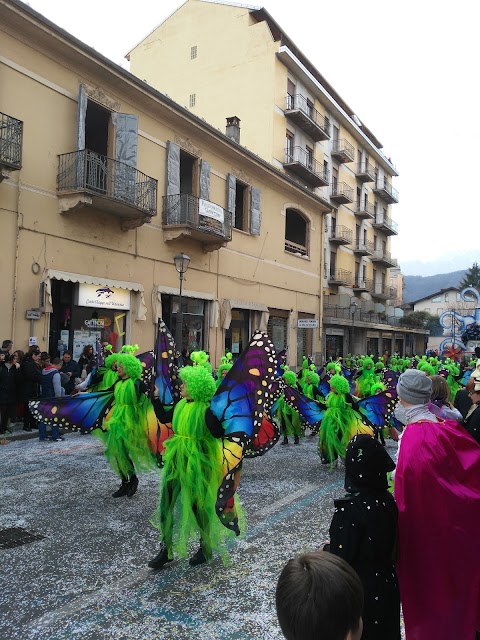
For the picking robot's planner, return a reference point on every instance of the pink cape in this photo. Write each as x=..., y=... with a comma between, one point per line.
x=437, y=490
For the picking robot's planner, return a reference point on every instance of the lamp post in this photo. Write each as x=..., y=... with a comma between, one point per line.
x=181, y=261
x=353, y=310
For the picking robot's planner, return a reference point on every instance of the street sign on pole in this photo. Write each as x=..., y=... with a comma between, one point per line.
x=33, y=314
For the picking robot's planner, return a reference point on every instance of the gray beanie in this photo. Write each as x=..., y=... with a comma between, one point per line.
x=414, y=386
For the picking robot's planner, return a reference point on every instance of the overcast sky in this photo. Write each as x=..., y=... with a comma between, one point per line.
x=408, y=69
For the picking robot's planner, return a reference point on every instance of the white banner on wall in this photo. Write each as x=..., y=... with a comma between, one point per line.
x=210, y=210
x=103, y=297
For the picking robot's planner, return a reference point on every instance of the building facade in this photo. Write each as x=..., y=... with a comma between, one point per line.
x=105, y=180
x=226, y=60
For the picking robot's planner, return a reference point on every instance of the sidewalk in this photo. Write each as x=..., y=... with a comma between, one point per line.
x=18, y=433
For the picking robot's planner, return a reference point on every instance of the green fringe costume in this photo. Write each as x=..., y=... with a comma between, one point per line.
x=340, y=422
x=125, y=431
x=192, y=472
x=289, y=418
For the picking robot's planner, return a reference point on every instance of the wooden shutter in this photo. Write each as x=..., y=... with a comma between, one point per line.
x=231, y=193
x=82, y=113
x=173, y=207
x=205, y=180
x=255, y=212
x=126, y=145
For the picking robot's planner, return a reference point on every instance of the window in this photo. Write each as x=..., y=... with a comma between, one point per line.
x=334, y=178
x=296, y=233
x=436, y=299
x=336, y=133
x=309, y=158
x=290, y=94
x=446, y=297
x=193, y=99
x=290, y=143
x=193, y=52
x=241, y=206
x=310, y=107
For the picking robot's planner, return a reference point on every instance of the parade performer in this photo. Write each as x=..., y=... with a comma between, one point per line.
x=211, y=433
x=366, y=379
x=125, y=430
x=224, y=367
x=290, y=424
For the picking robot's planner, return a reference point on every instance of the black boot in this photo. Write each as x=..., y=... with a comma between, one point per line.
x=285, y=440
x=199, y=558
x=122, y=490
x=160, y=559
x=296, y=440
x=132, y=486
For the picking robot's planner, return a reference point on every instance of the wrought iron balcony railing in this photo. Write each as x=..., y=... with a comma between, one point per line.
x=365, y=172
x=364, y=247
x=344, y=313
x=343, y=150
x=384, y=189
x=98, y=175
x=303, y=113
x=341, y=234
x=296, y=249
x=365, y=209
x=340, y=276
x=386, y=224
x=11, y=135
x=201, y=216
x=341, y=192
x=301, y=162
x=384, y=257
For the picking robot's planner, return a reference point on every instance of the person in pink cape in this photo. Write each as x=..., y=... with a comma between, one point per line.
x=437, y=490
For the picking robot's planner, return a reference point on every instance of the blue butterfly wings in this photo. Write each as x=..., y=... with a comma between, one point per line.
x=85, y=411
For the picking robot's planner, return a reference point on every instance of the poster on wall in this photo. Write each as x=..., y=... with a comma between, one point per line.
x=83, y=338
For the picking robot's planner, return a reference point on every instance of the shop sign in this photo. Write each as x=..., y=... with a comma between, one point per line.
x=332, y=331
x=103, y=297
x=93, y=323
x=210, y=210
x=307, y=323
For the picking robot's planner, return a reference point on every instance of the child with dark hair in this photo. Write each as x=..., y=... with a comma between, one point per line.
x=319, y=596
x=364, y=532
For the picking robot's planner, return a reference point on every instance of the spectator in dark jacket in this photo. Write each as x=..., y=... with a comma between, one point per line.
x=31, y=375
x=87, y=359
x=51, y=387
x=9, y=382
x=71, y=368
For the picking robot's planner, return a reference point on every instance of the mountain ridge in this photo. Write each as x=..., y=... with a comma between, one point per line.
x=417, y=287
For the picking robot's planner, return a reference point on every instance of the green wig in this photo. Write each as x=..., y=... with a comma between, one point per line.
x=111, y=360
x=289, y=377
x=199, y=383
x=226, y=365
x=130, y=348
x=130, y=365
x=339, y=384
x=377, y=387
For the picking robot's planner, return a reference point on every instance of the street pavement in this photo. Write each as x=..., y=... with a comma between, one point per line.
x=88, y=576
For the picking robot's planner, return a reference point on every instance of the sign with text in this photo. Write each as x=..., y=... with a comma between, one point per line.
x=34, y=314
x=103, y=297
x=307, y=323
x=210, y=216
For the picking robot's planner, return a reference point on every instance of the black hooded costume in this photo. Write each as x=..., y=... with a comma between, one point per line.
x=363, y=532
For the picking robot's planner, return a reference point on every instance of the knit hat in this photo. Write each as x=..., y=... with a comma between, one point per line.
x=414, y=386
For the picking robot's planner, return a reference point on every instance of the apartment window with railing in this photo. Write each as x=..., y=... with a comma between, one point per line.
x=193, y=99
x=289, y=143
x=309, y=157
x=296, y=233
x=193, y=52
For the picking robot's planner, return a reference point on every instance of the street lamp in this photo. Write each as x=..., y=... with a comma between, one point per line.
x=181, y=261
x=353, y=311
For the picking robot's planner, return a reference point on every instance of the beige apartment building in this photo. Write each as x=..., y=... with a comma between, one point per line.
x=104, y=180
x=228, y=62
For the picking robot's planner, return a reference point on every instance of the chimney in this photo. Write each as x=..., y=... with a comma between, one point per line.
x=233, y=128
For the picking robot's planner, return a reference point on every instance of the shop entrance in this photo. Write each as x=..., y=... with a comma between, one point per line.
x=237, y=335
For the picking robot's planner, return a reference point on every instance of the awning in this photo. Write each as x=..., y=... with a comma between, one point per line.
x=230, y=303
x=139, y=308
x=159, y=289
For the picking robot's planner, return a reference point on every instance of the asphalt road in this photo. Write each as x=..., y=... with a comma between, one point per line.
x=88, y=576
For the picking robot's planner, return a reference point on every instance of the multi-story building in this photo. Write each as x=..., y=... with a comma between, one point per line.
x=105, y=180
x=227, y=60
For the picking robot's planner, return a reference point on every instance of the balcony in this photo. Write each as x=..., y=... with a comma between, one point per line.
x=365, y=172
x=384, y=258
x=370, y=317
x=365, y=210
x=365, y=248
x=385, y=224
x=86, y=178
x=300, y=162
x=302, y=113
x=360, y=286
x=386, y=192
x=341, y=193
x=341, y=235
x=380, y=291
x=343, y=151
x=185, y=215
x=296, y=249
x=340, y=277
x=11, y=136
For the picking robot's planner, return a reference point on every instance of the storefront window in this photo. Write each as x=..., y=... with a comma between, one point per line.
x=193, y=320
x=277, y=330
x=372, y=346
x=333, y=347
x=237, y=335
